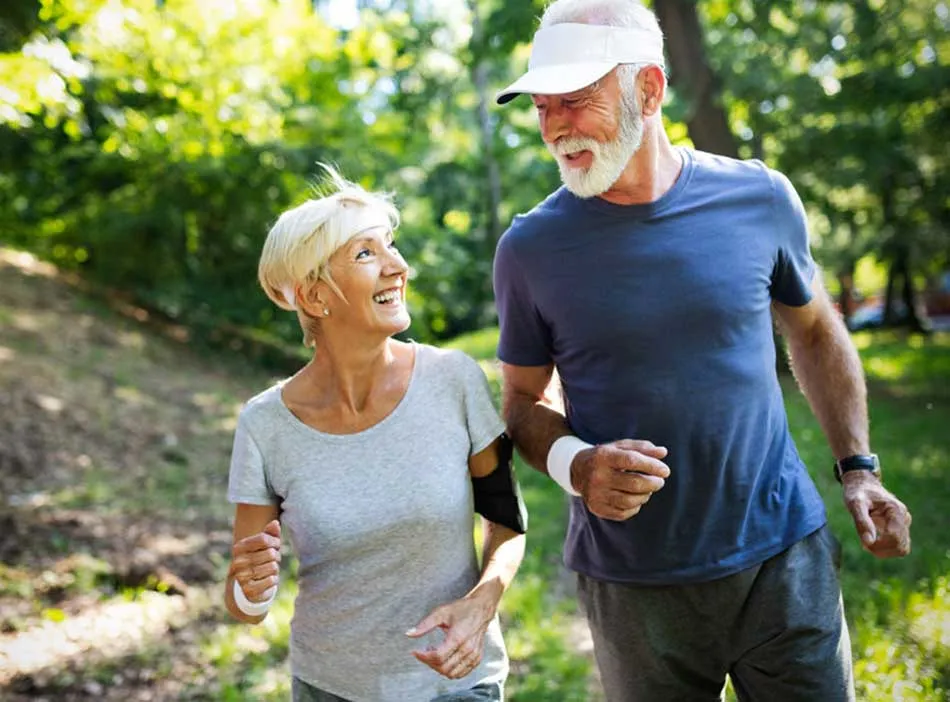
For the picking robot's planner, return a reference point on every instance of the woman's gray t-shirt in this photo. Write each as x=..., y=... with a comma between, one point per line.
x=382, y=523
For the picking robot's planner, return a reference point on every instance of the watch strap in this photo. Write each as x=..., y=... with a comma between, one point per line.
x=868, y=462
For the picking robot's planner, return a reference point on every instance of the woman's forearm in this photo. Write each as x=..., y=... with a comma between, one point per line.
x=502, y=554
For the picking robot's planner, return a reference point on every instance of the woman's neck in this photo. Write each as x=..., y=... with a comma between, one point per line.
x=348, y=375
x=347, y=379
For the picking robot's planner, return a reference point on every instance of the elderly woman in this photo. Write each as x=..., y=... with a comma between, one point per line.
x=373, y=459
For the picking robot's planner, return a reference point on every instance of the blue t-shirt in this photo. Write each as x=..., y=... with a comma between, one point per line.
x=657, y=318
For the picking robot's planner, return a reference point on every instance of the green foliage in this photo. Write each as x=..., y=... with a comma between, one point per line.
x=842, y=98
x=150, y=145
x=480, y=344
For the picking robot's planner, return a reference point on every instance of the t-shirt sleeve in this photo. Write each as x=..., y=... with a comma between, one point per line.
x=484, y=424
x=247, y=481
x=524, y=338
x=794, y=267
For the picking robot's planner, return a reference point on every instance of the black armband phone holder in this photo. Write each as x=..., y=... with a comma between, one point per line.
x=497, y=495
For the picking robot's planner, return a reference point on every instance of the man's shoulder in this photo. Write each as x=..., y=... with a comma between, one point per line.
x=541, y=218
x=742, y=182
x=720, y=167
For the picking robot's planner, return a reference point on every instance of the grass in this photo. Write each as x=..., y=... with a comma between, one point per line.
x=898, y=610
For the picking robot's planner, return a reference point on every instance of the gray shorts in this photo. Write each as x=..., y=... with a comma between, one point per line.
x=776, y=629
x=304, y=692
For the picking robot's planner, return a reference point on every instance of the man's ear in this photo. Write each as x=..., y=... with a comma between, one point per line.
x=652, y=90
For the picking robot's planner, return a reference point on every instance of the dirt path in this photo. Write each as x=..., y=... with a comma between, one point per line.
x=113, y=457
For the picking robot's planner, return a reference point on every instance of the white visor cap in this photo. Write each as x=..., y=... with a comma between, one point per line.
x=567, y=57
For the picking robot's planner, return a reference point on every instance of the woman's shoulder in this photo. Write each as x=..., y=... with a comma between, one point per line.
x=454, y=371
x=447, y=361
x=263, y=407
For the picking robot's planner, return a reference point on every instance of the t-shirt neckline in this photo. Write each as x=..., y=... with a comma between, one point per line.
x=643, y=210
x=370, y=430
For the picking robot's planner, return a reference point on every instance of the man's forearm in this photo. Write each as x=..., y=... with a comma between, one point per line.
x=534, y=426
x=828, y=370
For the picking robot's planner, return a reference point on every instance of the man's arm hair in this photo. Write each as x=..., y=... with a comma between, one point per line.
x=828, y=370
x=533, y=411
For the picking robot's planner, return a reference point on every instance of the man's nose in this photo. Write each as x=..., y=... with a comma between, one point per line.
x=554, y=123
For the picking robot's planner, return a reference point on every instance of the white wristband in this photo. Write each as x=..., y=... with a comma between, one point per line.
x=252, y=609
x=560, y=458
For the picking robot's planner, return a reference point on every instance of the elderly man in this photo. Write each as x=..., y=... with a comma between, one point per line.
x=650, y=283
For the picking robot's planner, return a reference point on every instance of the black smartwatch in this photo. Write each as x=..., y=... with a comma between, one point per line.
x=868, y=462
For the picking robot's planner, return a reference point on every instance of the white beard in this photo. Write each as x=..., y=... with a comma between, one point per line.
x=609, y=158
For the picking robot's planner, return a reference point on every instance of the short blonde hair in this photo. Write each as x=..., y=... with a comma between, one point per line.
x=298, y=247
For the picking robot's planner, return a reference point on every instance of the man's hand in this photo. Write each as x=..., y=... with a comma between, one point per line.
x=464, y=623
x=618, y=478
x=882, y=521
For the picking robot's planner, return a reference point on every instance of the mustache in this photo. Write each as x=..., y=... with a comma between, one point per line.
x=570, y=145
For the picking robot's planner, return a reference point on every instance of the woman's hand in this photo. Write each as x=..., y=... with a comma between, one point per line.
x=255, y=562
x=464, y=623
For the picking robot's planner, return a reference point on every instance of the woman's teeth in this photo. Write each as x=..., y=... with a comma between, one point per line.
x=388, y=296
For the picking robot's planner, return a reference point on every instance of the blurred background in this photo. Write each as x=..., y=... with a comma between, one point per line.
x=147, y=146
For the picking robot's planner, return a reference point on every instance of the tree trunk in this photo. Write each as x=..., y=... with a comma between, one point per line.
x=846, y=294
x=900, y=270
x=910, y=315
x=492, y=171
x=916, y=317
x=693, y=78
x=889, y=317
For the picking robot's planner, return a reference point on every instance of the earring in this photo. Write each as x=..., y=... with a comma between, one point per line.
x=326, y=311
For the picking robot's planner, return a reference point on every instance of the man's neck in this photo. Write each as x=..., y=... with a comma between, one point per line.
x=651, y=172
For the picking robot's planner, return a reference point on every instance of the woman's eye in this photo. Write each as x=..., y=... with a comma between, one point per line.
x=392, y=245
x=362, y=253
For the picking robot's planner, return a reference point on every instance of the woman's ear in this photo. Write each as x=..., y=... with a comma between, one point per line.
x=313, y=299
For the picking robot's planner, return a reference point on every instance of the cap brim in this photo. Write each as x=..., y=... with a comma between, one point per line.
x=555, y=80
